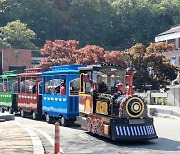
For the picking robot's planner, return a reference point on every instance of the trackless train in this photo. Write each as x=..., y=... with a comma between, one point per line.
x=95, y=96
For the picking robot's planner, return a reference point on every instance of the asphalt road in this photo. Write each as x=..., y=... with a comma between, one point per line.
x=75, y=140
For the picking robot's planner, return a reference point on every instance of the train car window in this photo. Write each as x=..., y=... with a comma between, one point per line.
x=28, y=86
x=15, y=88
x=74, y=87
x=40, y=88
x=53, y=86
x=7, y=86
x=1, y=87
x=102, y=83
x=88, y=87
x=86, y=82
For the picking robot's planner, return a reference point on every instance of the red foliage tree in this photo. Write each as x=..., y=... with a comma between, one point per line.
x=115, y=57
x=90, y=54
x=62, y=52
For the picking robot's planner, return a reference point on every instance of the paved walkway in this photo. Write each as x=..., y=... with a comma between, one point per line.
x=14, y=139
x=172, y=111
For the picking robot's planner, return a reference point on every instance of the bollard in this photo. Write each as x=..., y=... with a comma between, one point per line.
x=57, y=139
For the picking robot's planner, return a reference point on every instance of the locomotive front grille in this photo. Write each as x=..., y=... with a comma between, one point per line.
x=135, y=130
x=123, y=129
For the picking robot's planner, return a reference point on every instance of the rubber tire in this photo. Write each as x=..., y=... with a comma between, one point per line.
x=48, y=119
x=11, y=111
x=34, y=115
x=63, y=122
x=2, y=110
x=23, y=114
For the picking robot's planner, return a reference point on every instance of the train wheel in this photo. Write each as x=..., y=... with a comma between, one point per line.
x=48, y=119
x=100, y=128
x=35, y=116
x=23, y=114
x=64, y=121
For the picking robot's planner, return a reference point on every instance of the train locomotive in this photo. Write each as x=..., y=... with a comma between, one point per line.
x=108, y=109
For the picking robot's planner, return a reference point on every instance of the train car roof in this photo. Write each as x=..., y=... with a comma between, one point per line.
x=64, y=69
x=8, y=74
x=33, y=71
x=101, y=66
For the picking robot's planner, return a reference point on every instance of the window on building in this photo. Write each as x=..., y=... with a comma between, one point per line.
x=173, y=60
x=172, y=41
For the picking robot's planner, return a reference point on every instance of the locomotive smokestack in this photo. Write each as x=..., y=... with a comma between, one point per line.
x=129, y=80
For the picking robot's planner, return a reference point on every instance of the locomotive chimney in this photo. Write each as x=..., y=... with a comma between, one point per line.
x=129, y=80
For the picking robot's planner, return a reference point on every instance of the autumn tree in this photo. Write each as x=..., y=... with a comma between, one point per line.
x=62, y=52
x=152, y=68
x=162, y=69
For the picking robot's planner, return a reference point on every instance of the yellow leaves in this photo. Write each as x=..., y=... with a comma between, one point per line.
x=160, y=47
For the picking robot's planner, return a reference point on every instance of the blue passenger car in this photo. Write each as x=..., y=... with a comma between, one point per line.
x=60, y=89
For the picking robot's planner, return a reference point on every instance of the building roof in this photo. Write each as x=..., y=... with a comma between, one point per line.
x=170, y=31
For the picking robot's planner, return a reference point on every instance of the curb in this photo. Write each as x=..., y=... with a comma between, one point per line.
x=6, y=117
x=2, y=120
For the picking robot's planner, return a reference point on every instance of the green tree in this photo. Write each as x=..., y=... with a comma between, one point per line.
x=37, y=14
x=16, y=35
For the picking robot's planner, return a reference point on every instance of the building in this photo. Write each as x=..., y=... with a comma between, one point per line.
x=15, y=59
x=171, y=36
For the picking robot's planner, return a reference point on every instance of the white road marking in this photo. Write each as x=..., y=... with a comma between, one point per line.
x=48, y=137
x=37, y=144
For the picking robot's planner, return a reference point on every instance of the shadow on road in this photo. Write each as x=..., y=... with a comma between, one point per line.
x=162, y=144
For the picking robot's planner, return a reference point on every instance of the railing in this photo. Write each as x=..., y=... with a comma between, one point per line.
x=154, y=97
x=172, y=97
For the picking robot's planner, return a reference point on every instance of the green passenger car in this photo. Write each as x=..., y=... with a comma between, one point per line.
x=8, y=91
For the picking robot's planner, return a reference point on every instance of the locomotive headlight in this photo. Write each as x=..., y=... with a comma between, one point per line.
x=134, y=106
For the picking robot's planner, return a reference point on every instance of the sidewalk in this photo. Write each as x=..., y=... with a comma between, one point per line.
x=14, y=139
x=171, y=111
